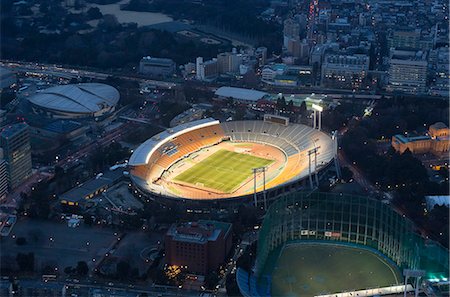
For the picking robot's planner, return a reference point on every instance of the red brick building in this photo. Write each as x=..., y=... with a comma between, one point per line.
x=201, y=246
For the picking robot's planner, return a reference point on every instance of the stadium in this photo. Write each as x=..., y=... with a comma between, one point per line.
x=208, y=160
x=335, y=245
x=85, y=100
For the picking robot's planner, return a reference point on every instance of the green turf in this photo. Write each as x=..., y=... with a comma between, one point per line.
x=223, y=171
x=314, y=269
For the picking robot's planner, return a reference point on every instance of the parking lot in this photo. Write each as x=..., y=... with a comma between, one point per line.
x=56, y=244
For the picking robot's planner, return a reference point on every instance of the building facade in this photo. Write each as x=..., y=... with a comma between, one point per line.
x=15, y=142
x=201, y=246
x=158, y=67
x=407, y=72
x=3, y=177
x=437, y=141
x=344, y=71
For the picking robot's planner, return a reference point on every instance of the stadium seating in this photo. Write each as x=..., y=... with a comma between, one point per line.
x=294, y=140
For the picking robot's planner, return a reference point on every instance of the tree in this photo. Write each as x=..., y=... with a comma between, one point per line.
x=211, y=280
x=94, y=13
x=123, y=270
x=291, y=105
x=25, y=262
x=82, y=268
x=346, y=173
x=21, y=241
x=68, y=270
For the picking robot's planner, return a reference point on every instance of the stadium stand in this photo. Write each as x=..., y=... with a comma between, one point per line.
x=159, y=153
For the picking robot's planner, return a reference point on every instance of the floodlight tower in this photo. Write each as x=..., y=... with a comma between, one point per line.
x=311, y=152
x=417, y=274
x=255, y=172
x=335, y=149
x=317, y=109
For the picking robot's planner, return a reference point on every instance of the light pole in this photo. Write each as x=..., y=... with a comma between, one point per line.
x=310, y=152
x=417, y=274
x=255, y=171
x=317, y=109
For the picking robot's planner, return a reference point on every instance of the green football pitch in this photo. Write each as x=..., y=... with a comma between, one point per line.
x=316, y=269
x=223, y=171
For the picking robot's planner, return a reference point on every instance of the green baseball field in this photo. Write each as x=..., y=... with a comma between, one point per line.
x=223, y=171
x=318, y=269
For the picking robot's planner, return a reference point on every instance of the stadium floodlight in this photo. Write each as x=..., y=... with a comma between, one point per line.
x=255, y=171
x=317, y=108
x=413, y=273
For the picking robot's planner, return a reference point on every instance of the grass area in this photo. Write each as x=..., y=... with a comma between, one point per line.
x=223, y=171
x=314, y=269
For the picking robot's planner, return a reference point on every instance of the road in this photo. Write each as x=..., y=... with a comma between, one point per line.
x=358, y=175
x=58, y=71
x=13, y=198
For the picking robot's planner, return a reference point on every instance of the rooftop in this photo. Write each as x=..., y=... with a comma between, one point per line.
x=240, y=93
x=13, y=129
x=439, y=125
x=141, y=155
x=79, y=98
x=405, y=139
x=198, y=232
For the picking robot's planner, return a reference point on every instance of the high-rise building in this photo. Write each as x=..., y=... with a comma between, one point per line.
x=291, y=31
x=206, y=70
x=344, y=71
x=261, y=55
x=229, y=62
x=407, y=71
x=201, y=246
x=15, y=142
x=404, y=39
x=3, y=177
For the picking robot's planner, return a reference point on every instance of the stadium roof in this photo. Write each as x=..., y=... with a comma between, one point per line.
x=141, y=154
x=240, y=94
x=80, y=98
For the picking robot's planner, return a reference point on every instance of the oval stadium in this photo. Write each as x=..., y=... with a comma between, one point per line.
x=76, y=100
x=338, y=245
x=210, y=160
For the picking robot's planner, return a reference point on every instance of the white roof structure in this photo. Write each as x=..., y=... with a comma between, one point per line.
x=432, y=201
x=240, y=94
x=142, y=154
x=87, y=98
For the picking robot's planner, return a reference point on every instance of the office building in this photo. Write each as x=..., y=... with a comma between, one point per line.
x=229, y=62
x=407, y=71
x=15, y=142
x=261, y=55
x=404, y=39
x=200, y=246
x=157, y=67
x=291, y=30
x=3, y=177
x=344, y=71
x=206, y=70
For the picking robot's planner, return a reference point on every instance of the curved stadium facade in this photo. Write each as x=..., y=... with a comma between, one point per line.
x=340, y=220
x=207, y=160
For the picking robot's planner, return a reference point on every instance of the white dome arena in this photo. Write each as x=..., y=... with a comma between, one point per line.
x=76, y=100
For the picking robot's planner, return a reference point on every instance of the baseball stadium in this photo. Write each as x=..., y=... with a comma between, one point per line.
x=209, y=160
x=337, y=245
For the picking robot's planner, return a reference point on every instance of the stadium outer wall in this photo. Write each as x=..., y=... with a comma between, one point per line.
x=356, y=220
x=272, y=194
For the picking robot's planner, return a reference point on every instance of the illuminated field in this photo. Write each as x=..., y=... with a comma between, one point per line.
x=223, y=171
x=316, y=269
